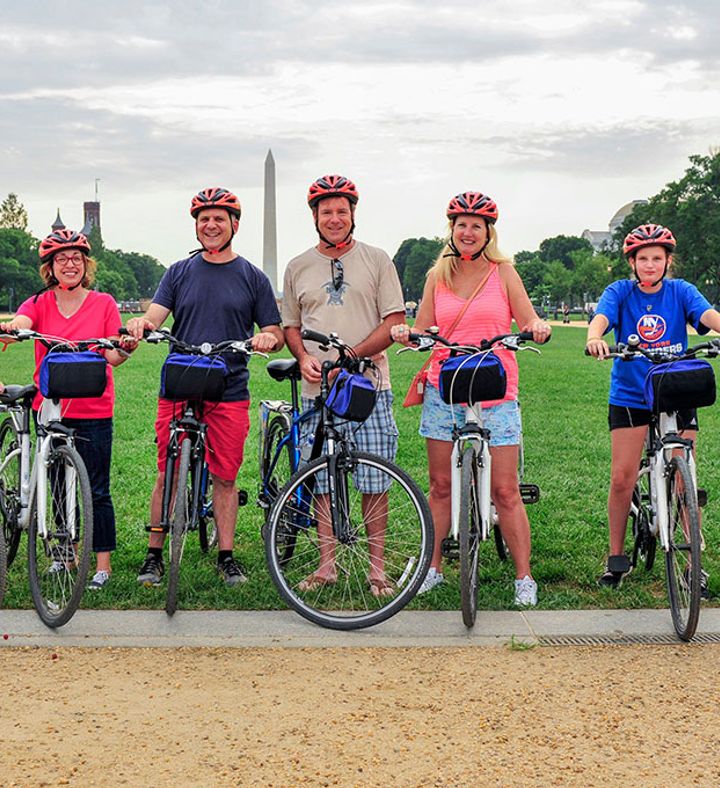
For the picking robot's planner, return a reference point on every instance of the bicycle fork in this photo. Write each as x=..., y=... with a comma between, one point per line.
x=483, y=460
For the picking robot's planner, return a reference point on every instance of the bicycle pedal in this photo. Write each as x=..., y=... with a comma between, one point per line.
x=530, y=493
x=450, y=549
x=156, y=529
x=242, y=497
x=702, y=497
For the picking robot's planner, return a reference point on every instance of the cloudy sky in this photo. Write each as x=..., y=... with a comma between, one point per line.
x=562, y=114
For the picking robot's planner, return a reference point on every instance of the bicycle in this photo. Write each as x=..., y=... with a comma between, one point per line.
x=478, y=376
x=49, y=496
x=665, y=504
x=193, y=375
x=359, y=508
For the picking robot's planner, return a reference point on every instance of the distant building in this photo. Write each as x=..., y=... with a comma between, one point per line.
x=91, y=211
x=58, y=224
x=602, y=238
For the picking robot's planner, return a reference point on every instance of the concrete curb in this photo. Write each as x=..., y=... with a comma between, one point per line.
x=284, y=629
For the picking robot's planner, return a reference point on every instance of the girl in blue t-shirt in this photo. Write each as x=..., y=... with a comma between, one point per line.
x=658, y=311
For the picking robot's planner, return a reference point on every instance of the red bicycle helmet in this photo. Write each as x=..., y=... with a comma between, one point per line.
x=474, y=204
x=332, y=186
x=215, y=198
x=62, y=240
x=648, y=235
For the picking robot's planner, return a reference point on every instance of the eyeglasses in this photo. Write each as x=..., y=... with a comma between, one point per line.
x=337, y=273
x=69, y=258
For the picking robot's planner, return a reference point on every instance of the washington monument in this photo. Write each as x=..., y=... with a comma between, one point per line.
x=270, y=223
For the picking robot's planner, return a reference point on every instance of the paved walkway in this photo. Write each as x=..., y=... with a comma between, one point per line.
x=284, y=629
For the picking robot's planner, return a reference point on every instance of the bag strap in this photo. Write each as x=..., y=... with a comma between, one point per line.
x=462, y=311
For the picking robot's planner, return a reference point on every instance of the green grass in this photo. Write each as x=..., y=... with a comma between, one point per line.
x=564, y=397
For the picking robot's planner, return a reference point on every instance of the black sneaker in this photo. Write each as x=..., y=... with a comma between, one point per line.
x=704, y=577
x=151, y=571
x=615, y=570
x=231, y=571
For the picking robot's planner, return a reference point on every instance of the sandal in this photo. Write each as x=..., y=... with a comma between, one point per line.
x=315, y=581
x=381, y=586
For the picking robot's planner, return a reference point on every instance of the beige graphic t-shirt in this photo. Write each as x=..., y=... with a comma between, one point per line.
x=370, y=291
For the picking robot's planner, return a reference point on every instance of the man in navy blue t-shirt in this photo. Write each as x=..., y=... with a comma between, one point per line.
x=213, y=295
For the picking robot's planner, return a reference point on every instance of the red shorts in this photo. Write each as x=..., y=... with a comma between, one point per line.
x=228, y=424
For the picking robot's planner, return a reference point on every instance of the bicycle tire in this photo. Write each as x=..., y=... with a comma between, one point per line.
x=644, y=542
x=57, y=564
x=405, y=543
x=469, y=537
x=500, y=547
x=10, y=490
x=3, y=568
x=683, y=559
x=207, y=527
x=276, y=432
x=178, y=526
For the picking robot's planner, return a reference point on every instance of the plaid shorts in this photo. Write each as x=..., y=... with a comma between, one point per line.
x=376, y=435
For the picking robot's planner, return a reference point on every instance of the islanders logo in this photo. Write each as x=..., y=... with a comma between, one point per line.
x=651, y=328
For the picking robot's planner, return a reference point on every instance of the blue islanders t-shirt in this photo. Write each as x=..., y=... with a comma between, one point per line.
x=659, y=319
x=212, y=302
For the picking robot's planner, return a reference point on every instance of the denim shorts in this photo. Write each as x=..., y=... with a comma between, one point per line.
x=438, y=419
x=376, y=435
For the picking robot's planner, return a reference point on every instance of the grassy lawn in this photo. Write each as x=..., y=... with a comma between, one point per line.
x=564, y=397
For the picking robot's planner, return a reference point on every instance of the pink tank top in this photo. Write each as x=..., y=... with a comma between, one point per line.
x=488, y=315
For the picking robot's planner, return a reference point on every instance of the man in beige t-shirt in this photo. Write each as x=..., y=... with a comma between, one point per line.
x=347, y=287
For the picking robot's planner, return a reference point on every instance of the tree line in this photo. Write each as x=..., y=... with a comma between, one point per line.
x=566, y=268
x=127, y=276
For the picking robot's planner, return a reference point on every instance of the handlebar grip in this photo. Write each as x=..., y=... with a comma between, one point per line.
x=123, y=332
x=315, y=336
x=526, y=335
x=414, y=337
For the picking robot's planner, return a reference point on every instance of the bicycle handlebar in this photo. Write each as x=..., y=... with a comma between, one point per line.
x=510, y=341
x=72, y=345
x=348, y=359
x=155, y=336
x=627, y=351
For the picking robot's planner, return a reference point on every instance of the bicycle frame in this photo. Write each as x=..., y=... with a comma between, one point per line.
x=662, y=442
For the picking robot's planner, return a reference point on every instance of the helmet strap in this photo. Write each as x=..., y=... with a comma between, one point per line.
x=455, y=252
x=204, y=248
x=342, y=244
x=650, y=284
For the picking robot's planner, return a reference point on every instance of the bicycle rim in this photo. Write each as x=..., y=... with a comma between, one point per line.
x=178, y=526
x=58, y=562
x=469, y=537
x=10, y=490
x=682, y=559
x=397, y=552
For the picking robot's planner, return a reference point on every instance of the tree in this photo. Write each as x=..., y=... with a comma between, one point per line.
x=13, y=214
x=560, y=247
x=19, y=277
x=690, y=207
x=423, y=253
x=532, y=271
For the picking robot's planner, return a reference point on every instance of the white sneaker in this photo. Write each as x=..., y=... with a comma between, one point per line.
x=100, y=579
x=526, y=592
x=432, y=578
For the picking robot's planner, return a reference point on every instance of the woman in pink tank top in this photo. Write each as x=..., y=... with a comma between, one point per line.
x=469, y=258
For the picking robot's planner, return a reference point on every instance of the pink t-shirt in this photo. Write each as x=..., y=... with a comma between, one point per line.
x=488, y=315
x=97, y=317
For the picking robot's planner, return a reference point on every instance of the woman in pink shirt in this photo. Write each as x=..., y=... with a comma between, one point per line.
x=470, y=255
x=68, y=309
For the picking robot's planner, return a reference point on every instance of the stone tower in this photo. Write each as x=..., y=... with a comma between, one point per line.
x=270, y=223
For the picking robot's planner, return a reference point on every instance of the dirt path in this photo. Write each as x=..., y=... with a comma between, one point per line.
x=491, y=716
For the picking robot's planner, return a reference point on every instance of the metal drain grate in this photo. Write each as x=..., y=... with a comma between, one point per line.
x=624, y=640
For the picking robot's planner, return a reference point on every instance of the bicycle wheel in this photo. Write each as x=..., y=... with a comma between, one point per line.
x=3, y=568
x=386, y=538
x=58, y=562
x=178, y=525
x=274, y=481
x=469, y=536
x=207, y=527
x=682, y=559
x=10, y=489
x=644, y=542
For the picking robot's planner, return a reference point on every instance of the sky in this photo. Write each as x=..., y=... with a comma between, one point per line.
x=561, y=112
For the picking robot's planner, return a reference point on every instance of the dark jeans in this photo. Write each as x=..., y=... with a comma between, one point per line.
x=93, y=440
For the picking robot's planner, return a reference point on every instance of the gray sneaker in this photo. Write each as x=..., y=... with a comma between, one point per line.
x=231, y=571
x=525, y=592
x=151, y=571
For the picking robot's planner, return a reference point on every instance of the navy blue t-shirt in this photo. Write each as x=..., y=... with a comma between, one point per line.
x=659, y=319
x=212, y=302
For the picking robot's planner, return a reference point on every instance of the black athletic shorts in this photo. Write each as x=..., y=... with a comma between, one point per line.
x=619, y=416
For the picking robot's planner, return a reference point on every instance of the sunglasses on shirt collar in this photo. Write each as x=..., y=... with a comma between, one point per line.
x=337, y=272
